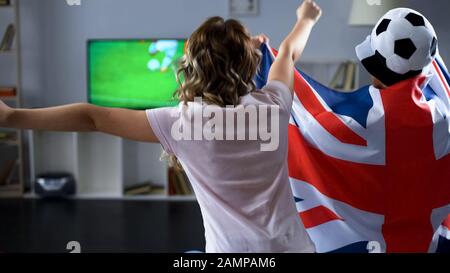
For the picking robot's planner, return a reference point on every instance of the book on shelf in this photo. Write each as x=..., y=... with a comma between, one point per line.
x=338, y=80
x=13, y=176
x=8, y=38
x=187, y=184
x=6, y=171
x=179, y=183
x=138, y=189
x=144, y=189
x=158, y=190
x=6, y=91
x=8, y=136
x=5, y=3
x=350, y=76
x=345, y=77
x=174, y=187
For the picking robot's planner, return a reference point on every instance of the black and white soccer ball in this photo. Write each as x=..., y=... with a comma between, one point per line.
x=402, y=45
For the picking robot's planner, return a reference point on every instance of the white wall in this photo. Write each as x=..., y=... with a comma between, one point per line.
x=32, y=53
x=54, y=35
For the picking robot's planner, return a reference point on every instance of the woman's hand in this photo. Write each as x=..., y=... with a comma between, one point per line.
x=4, y=113
x=259, y=39
x=309, y=11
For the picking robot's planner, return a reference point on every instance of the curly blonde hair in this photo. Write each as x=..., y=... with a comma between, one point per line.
x=219, y=66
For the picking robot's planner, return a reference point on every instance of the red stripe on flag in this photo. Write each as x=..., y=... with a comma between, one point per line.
x=317, y=216
x=328, y=120
x=441, y=77
x=357, y=184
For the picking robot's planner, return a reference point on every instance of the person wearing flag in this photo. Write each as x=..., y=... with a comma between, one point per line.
x=369, y=169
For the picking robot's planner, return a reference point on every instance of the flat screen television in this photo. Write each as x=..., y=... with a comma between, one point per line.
x=135, y=74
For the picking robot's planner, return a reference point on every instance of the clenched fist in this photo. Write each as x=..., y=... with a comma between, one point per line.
x=309, y=11
x=259, y=39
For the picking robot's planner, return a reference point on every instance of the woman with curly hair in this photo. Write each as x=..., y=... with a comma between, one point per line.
x=243, y=191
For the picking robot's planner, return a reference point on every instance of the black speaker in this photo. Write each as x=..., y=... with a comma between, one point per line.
x=55, y=185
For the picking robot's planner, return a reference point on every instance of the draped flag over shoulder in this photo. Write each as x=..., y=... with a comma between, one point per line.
x=371, y=165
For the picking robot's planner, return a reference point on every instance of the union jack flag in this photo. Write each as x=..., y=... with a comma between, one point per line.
x=371, y=165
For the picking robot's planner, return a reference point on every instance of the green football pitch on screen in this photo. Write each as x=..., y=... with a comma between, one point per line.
x=136, y=74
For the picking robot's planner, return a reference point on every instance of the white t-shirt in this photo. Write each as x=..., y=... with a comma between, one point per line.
x=243, y=192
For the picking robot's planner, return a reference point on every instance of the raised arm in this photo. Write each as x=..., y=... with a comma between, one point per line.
x=80, y=117
x=293, y=45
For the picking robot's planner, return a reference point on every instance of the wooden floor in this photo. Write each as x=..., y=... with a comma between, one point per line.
x=46, y=226
x=35, y=225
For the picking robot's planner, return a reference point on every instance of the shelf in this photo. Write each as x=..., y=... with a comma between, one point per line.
x=10, y=130
x=182, y=198
x=9, y=142
x=9, y=99
x=11, y=139
x=11, y=194
x=12, y=187
x=11, y=191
